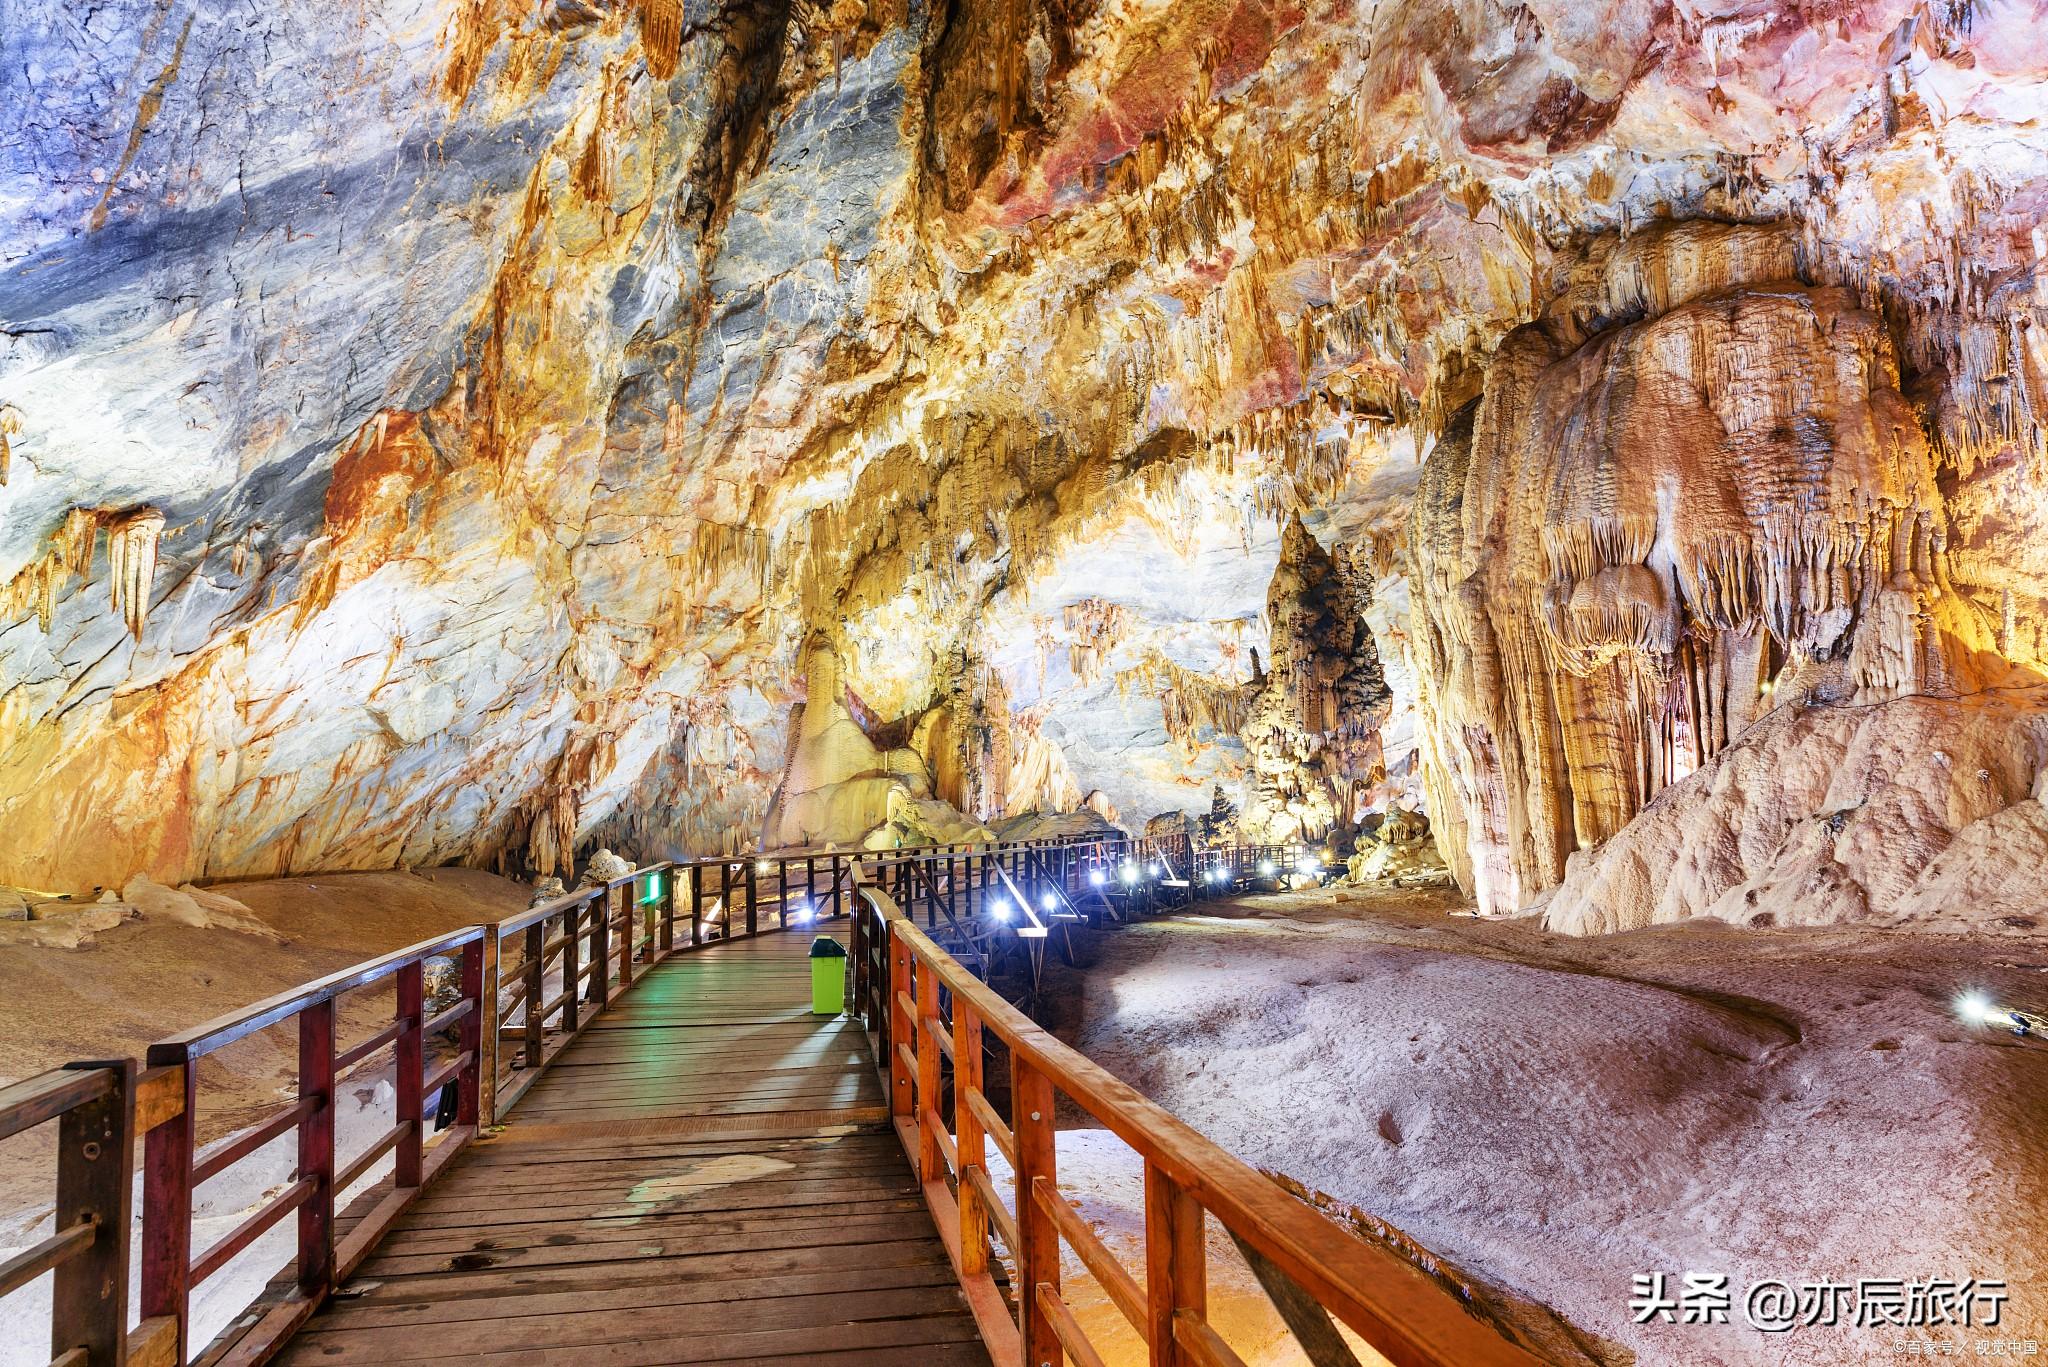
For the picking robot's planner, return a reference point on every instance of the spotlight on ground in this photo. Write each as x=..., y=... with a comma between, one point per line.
x=1130, y=873
x=804, y=913
x=1095, y=877
x=1155, y=870
x=762, y=866
x=1000, y=910
x=1310, y=865
x=1266, y=869
x=1049, y=902
x=1978, y=1009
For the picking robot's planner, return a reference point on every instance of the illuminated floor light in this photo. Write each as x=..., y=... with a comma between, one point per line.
x=1096, y=878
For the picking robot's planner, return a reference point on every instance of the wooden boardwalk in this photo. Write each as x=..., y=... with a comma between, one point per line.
x=707, y=1175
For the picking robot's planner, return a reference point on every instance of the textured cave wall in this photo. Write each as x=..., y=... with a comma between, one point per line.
x=1690, y=495
x=424, y=334
x=525, y=391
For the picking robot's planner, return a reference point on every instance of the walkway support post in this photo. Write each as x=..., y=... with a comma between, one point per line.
x=488, y=1030
x=316, y=1149
x=95, y=1176
x=901, y=1026
x=1176, y=1285
x=1038, y=1258
x=971, y=1140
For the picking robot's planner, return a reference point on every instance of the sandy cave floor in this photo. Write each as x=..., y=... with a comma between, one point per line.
x=1557, y=1115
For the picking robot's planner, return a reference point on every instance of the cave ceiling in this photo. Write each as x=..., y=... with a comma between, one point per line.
x=460, y=430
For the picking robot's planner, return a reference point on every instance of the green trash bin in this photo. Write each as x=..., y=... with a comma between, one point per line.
x=828, y=976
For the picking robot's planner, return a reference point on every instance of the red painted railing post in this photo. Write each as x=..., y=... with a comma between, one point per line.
x=696, y=905
x=572, y=946
x=603, y=907
x=469, y=1082
x=536, y=993
x=167, y=1206
x=668, y=912
x=488, y=1032
x=409, y=1059
x=316, y=1148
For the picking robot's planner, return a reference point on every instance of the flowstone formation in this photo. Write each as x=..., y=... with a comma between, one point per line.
x=1690, y=494
x=457, y=430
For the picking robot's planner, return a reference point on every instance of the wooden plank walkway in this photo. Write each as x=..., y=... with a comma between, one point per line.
x=707, y=1175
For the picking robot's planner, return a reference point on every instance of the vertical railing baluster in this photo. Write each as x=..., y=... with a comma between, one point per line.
x=572, y=948
x=753, y=901
x=650, y=912
x=900, y=1025
x=838, y=904
x=95, y=1175
x=1175, y=1276
x=316, y=1148
x=410, y=1060
x=536, y=989
x=489, y=1027
x=167, y=1205
x=782, y=890
x=725, y=899
x=603, y=908
x=931, y=1167
x=1038, y=1257
x=696, y=905
x=668, y=912
x=620, y=899
x=469, y=1081
x=970, y=1141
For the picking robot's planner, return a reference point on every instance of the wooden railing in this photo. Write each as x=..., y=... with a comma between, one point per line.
x=574, y=954
x=936, y=1024
x=174, y=1168
x=98, y=1107
x=525, y=987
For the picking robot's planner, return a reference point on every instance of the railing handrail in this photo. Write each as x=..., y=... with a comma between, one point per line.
x=595, y=938
x=223, y=1030
x=46, y=1096
x=575, y=897
x=1412, y=1320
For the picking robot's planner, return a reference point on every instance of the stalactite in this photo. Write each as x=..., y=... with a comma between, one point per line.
x=1621, y=629
x=11, y=424
x=131, y=563
x=661, y=36
x=38, y=585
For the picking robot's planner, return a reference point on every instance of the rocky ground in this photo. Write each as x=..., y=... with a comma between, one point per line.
x=1558, y=1114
